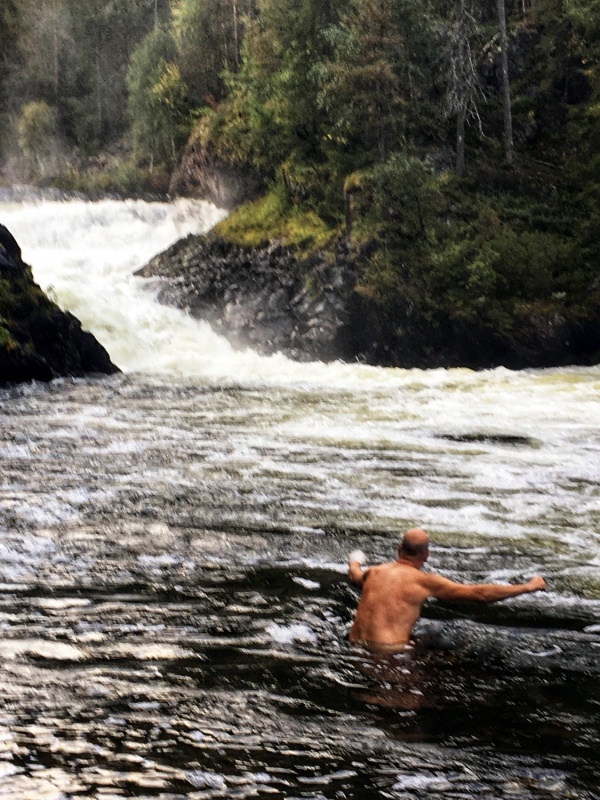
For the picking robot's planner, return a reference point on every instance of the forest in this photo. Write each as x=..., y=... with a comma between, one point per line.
x=455, y=144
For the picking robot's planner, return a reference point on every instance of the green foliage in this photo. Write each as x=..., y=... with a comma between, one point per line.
x=406, y=195
x=272, y=114
x=373, y=83
x=37, y=131
x=273, y=218
x=206, y=34
x=15, y=295
x=250, y=122
x=74, y=55
x=6, y=298
x=157, y=98
x=476, y=259
x=7, y=340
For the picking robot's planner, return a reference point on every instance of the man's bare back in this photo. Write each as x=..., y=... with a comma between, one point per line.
x=393, y=594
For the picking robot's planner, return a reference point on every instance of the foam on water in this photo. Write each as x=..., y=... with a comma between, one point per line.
x=527, y=440
x=86, y=254
x=287, y=634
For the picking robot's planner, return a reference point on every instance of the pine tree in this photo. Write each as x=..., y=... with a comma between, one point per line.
x=362, y=90
x=207, y=33
x=155, y=97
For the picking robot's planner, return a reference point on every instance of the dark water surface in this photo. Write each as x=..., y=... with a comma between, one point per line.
x=174, y=607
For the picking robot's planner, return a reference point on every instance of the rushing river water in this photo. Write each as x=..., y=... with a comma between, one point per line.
x=173, y=544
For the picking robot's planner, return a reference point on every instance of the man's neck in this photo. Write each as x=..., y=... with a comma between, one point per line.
x=409, y=562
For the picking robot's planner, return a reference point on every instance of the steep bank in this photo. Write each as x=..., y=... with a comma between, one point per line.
x=264, y=297
x=316, y=307
x=39, y=341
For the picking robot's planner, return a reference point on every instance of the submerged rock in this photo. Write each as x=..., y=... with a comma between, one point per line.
x=39, y=341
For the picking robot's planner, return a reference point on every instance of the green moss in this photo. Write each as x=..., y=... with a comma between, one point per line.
x=7, y=341
x=271, y=218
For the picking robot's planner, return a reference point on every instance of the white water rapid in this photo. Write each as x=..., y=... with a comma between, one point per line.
x=85, y=254
x=173, y=543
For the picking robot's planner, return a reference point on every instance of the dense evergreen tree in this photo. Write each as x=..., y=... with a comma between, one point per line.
x=380, y=77
x=363, y=89
x=156, y=97
x=272, y=116
x=107, y=34
x=208, y=34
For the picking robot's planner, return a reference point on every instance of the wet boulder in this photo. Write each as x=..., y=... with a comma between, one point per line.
x=267, y=298
x=39, y=341
x=10, y=252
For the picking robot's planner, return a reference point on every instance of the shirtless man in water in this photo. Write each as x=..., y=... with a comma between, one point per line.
x=393, y=594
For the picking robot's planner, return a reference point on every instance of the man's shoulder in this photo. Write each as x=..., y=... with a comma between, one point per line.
x=394, y=570
x=388, y=566
x=426, y=581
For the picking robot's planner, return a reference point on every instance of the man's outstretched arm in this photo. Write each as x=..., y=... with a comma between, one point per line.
x=444, y=589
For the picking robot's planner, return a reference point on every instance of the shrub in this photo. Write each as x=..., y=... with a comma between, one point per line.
x=37, y=128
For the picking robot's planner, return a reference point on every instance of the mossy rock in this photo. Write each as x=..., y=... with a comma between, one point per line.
x=39, y=341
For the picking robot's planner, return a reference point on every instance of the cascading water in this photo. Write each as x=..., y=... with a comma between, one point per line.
x=173, y=543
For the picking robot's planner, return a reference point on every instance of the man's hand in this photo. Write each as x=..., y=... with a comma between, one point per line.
x=356, y=561
x=357, y=555
x=537, y=584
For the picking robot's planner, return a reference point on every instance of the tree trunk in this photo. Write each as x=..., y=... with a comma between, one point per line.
x=236, y=35
x=460, y=141
x=461, y=91
x=508, y=134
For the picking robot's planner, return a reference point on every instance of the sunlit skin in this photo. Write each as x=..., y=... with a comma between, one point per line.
x=393, y=594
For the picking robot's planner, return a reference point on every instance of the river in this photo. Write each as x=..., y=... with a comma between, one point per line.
x=173, y=544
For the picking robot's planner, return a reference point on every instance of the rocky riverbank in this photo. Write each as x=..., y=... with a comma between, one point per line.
x=265, y=298
x=39, y=341
x=316, y=308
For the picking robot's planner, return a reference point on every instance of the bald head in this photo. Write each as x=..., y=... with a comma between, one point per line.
x=414, y=545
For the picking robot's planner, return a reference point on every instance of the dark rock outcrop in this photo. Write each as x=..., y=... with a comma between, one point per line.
x=399, y=335
x=264, y=298
x=39, y=341
x=10, y=252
